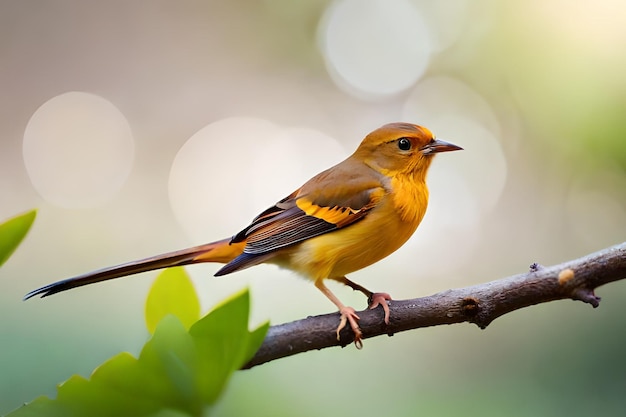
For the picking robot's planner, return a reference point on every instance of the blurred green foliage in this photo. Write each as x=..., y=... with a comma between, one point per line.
x=181, y=371
x=171, y=294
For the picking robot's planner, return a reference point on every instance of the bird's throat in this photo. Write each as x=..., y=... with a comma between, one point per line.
x=410, y=198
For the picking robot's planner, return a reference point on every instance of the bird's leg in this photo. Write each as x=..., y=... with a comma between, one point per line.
x=348, y=315
x=374, y=299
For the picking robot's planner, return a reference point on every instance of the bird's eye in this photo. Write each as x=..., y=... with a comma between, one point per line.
x=404, y=144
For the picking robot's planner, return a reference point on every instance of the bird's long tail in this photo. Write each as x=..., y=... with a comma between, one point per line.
x=221, y=251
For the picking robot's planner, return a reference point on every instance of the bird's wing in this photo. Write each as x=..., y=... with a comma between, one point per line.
x=326, y=203
x=295, y=220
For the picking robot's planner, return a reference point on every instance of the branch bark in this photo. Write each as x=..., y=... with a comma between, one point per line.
x=478, y=304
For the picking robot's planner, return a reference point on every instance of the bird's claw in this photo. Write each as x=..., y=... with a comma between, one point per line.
x=380, y=298
x=349, y=315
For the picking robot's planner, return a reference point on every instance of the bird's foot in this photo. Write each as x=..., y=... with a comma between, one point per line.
x=348, y=315
x=380, y=298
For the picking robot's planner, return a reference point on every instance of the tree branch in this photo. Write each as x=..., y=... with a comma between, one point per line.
x=478, y=304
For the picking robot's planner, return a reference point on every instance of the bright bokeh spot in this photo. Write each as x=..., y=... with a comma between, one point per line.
x=464, y=189
x=296, y=155
x=435, y=96
x=374, y=48
x=446, y=20
x=231, y=170
x=467, y=185
x=78, y=150
x=455, y=112
x=481, y=166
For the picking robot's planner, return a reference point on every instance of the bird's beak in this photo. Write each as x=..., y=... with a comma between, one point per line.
x=438, y=145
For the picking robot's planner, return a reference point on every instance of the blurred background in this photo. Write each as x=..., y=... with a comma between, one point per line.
x=142, y=127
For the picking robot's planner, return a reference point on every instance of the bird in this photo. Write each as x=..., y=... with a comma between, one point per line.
x=340, y=221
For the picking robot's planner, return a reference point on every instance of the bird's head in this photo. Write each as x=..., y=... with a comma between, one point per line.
x=401, y=148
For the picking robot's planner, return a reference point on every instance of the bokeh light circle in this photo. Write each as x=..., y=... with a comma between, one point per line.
x=447, y=21
x=232, y=169
x=440, y=95
x=466, y=185
x=374, y=48
x=78, y=150
x=455, y=112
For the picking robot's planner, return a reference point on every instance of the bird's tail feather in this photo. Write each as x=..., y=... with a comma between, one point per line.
x=221, y=251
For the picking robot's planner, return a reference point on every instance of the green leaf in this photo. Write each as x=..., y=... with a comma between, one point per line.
x=224, y=343
x=172, y=293
x=161, y=379
x=12, y=232
x=172, y=356
x=178, y=373
x=125, y=386
x=39, y=407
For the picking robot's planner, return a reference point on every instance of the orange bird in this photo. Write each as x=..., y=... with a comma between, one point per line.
x=341, y=220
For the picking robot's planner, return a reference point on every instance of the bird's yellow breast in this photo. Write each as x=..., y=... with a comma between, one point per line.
x=385, y=229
